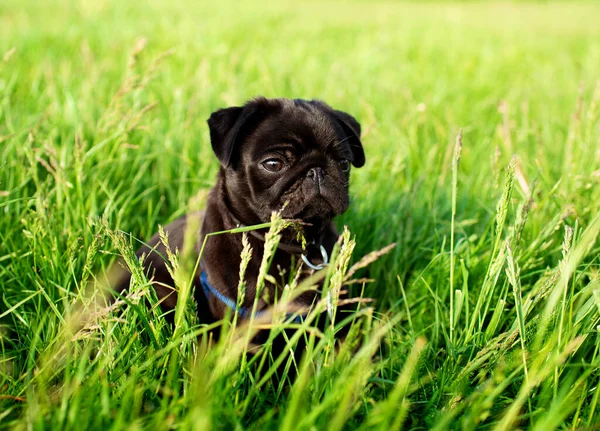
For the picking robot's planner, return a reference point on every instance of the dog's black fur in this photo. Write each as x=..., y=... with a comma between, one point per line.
x=283, y=155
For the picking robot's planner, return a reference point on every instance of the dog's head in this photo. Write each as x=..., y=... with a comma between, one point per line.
x=292, y=156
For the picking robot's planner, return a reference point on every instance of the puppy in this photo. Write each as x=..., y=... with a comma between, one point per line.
x=291, y=156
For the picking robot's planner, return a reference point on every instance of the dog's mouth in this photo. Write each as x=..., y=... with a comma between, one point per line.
x=307, y=200
x=311, y=210
x=315, y=214
x=317, y=208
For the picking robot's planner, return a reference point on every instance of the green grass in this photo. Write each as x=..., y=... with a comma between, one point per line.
x=486, y=313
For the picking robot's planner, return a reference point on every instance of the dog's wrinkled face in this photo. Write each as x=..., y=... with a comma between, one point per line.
x=292, y=156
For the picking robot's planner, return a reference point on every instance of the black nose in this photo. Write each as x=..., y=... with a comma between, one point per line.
x=317, y=174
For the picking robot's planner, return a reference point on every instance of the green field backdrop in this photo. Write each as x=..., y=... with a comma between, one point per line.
x=486, y=314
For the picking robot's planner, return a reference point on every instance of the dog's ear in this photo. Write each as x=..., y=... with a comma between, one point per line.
x=352, y=129
x=227, y=129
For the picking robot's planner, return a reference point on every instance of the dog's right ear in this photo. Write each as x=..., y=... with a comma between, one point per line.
x=225, y=131
x=225, y=125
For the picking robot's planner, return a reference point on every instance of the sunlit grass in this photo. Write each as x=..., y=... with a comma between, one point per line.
x=485, y=313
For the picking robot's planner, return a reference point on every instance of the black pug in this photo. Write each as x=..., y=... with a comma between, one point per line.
x=292, y=156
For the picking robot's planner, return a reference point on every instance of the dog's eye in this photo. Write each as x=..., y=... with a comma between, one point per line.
x=273, y=165
x=345, y=165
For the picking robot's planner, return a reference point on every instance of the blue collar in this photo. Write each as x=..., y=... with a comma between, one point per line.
x=242, y=311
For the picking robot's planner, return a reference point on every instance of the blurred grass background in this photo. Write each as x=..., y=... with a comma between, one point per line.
x=102, y=114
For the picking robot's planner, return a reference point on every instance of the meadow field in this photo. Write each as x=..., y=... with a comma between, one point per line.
x=481, y=126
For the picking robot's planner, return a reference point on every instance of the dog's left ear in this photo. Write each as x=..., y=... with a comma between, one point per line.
x=227, y=127
x=352, y=128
